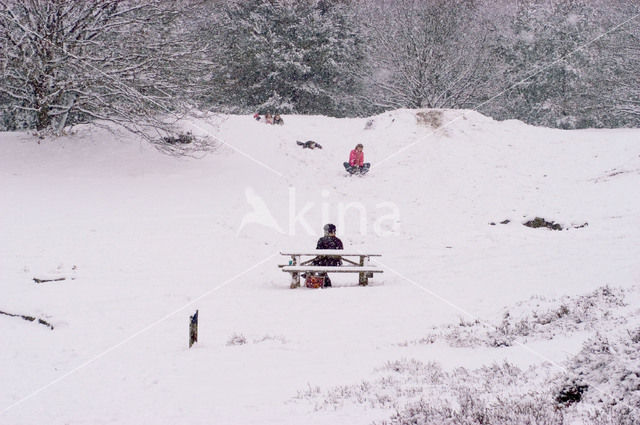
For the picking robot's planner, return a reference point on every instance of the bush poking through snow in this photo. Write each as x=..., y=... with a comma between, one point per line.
x=182, y=139
x=571, y=393
x=602, y=390
x=271, y=338
x=431, y=119
x=537, y=318
x=237, y=339
x=599, y=386
x=185, y=144
x=606, y=373
x=541, y=222
x=471, y=410
x=423, y=393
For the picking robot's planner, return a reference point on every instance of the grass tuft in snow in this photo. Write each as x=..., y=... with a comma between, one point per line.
x=237, y=339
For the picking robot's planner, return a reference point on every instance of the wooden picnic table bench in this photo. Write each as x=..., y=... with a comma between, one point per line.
x=356, y=262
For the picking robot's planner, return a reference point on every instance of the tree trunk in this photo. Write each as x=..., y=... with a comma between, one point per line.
x=43, y=120
x=63, y=118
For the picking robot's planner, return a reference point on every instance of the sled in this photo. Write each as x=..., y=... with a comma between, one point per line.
x=358, y=171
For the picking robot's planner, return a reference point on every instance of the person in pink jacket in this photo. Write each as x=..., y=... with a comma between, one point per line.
x=356, y=164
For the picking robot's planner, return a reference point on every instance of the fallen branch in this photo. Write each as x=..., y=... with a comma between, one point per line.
x=28, y=318
x=36, y=280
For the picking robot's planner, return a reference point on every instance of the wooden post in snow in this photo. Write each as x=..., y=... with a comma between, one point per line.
x=193, y=329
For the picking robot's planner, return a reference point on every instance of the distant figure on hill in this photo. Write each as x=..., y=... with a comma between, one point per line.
x=309, y=144
x=268, y=119
x=256, y=116
x=277, y=119
x=356, y=164
x=328, y=241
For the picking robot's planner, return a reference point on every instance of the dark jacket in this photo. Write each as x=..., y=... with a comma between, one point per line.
x=328, y=242
x=309, y=144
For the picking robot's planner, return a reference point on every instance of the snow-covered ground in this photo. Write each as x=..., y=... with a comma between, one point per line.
x=143, y=239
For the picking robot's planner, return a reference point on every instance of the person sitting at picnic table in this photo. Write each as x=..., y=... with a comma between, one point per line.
x=328, y=241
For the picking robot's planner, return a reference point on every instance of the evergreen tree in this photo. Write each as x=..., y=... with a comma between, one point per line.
x=287, y=56
x=549, y=60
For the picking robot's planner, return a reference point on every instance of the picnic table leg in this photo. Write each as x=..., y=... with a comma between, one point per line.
x=295, y=280
x=295, y=276
x=363, y=280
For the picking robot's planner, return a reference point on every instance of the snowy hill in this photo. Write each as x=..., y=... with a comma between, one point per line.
x=143, y=239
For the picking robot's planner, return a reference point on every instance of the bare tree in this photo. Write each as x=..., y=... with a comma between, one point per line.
x=631, y=98
x=124, y=61
x=621, y=71
x=427, y=53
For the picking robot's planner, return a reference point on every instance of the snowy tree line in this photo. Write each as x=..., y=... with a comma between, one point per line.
x=559, y=63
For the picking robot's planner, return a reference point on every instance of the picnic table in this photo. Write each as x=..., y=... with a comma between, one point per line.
x=301, y=261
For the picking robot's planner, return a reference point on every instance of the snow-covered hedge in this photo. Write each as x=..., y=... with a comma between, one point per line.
x=600, y=385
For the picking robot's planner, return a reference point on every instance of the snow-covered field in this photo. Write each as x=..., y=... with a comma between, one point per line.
x=471, y=301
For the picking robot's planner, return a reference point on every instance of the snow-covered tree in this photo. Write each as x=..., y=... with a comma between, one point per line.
x=562, y=64
x=427, y=53
x=619, y=65
x=66, y=62
x=287, y=56
x=628, y=76
x=544, y=68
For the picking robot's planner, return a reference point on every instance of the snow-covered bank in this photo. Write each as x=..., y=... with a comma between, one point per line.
x=144, y=239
